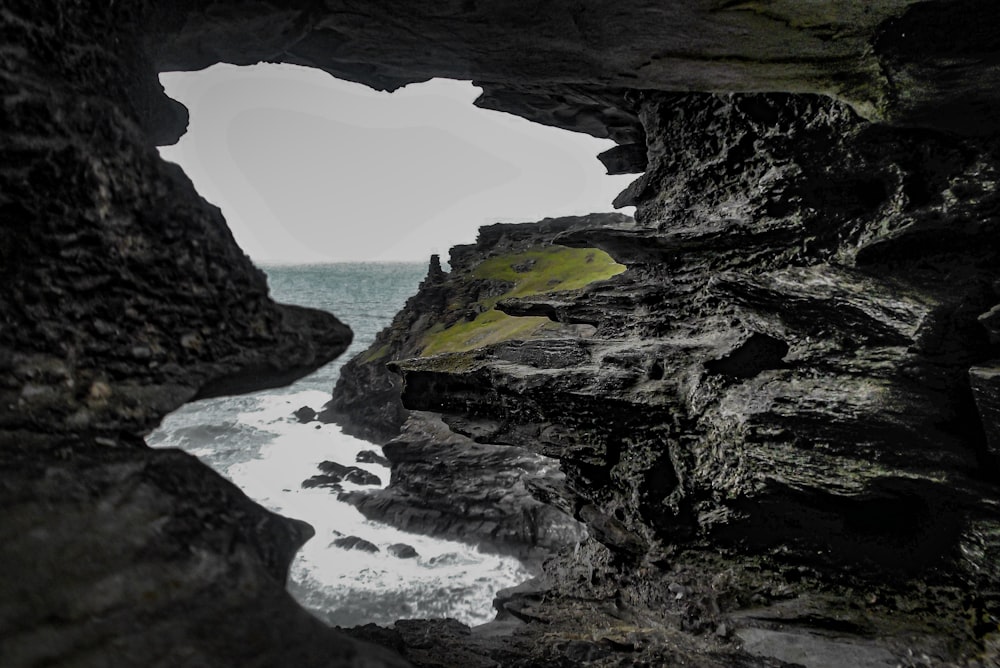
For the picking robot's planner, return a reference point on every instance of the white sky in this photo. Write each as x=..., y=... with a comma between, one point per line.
x=308, y=168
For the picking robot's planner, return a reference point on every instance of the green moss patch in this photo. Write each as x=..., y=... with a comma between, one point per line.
x=373, y=354
x=536, y=271
x=549, y=269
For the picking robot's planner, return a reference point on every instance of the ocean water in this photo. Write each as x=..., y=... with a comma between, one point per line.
x=255, y=441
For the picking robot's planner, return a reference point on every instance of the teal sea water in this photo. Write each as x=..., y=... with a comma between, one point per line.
x=255, y=441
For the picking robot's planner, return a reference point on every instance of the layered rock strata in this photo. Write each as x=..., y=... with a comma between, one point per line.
x=777, y=397
x=574, y=64
x=365, y=401
x=123, y=296
x=444, y=483
x=797, y=395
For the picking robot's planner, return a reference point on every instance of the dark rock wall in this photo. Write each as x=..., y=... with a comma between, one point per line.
x=124, y=292
x=571, y=63
x=783, y=372
x=123, y=296
x=791, y=396
x=366, y=400
x=443, y=483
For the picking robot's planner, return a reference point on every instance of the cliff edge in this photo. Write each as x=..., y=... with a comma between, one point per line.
x=444, y=483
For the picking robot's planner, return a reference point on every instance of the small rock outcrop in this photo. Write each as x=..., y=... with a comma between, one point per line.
x=356, y=543
x=371, y=457
x=334, y=474
x=305, y=414
x=402, y=551
x=444, y=484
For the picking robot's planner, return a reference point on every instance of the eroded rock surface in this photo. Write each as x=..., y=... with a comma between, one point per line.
x=444, y=483
x=366, y=400
x=782, y=375
x=573, y=64
x=121, y=555
x=124, y=295
x=785, y=417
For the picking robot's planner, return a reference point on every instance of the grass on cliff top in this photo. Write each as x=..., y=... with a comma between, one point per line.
x=548, y=269
x=373, y=354
x=533, y=272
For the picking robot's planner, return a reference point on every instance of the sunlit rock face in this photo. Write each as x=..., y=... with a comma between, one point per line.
x=787, y=415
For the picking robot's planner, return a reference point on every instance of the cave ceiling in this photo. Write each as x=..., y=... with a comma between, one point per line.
x=568, y=63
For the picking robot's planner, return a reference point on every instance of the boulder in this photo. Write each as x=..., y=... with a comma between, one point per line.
x=355, y=543
x=402, y=551
x=305, y=414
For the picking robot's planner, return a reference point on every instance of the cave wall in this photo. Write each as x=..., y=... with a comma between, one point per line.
x=573, y=63
x=807, y=317
x=788, y=392
x=786, y=361
x=124, y=295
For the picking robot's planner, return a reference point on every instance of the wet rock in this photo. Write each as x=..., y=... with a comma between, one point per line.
x=305, y=414
x=371, y=457
x=353, y=474
x=334, y=474
x=362, y=477
x=402, y=551
x=446, y=485
x=355, y=543
x=331, y=482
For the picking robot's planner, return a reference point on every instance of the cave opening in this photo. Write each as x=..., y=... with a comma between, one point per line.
x=340, y=194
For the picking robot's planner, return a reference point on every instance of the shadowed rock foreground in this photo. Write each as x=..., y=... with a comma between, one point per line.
x=780, y=431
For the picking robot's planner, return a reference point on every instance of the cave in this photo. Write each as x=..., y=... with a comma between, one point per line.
x=779, y=429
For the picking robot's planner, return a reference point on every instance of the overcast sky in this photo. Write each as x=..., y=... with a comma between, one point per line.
x=308, y=168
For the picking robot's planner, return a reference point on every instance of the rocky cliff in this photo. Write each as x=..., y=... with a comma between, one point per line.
x=366, y=400
x=444, y=483
x=777, y=400
x=782, y=432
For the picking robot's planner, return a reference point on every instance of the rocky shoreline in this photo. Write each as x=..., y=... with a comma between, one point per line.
x=780, y=396
x=448, y=486
x=445, y=484
x=779, y=425
x=365, y=402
